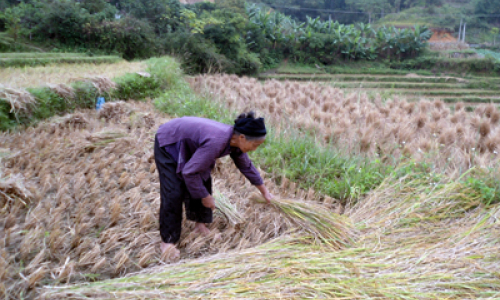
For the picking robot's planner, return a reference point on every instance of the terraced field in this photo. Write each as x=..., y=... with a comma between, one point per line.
x=413, y=87
x=42, y=59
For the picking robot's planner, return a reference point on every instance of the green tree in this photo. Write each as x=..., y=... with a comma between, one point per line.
x=488, y=7
x=61, y=20
x=12, y=18
x=163, y=15
x=370, y=7
x=494, y=31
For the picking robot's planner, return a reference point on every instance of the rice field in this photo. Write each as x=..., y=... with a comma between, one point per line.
x=452, y=139
x=25, y=77
x=80, y=200
x=414, y=244
x=42, y=59
x=410, y=86
x=79, y=205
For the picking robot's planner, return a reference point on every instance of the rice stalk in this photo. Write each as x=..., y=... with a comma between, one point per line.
x=326, y=227
x=230, y=212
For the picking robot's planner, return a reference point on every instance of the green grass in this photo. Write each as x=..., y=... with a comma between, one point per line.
x=483, y=66
x=345, y=67
x=42, y=61
x=373, y=69
x=38, y=55
x=423, y=92
x=299, y=69
x=359, y=78
x=397, y=85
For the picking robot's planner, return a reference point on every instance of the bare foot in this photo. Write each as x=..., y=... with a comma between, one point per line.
x=202, y=229
x=169, y=253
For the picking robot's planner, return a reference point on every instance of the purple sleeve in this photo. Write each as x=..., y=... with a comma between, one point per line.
x=200, y=162
x=244, y=164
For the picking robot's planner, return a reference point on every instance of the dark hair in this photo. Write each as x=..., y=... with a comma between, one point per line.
x=247, y=115
x=250, y=115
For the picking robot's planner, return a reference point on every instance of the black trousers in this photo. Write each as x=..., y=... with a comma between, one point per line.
x=173, y=193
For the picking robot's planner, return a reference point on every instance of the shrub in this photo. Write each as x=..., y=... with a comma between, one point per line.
x=129, y=36
x=135, y=86
x=475, y=65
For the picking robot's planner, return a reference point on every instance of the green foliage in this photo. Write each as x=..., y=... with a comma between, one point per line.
x=300, y=159
x=6, y=42
x=490, y=8
x=15, y=61
x=489, y=54
x=61, y=20
x=129, y=36
x=469, y=65
x=85, y=94
x=7, y=119
x=223, y=37
x=50, y=103
x=486, y=183
x=135, y=86
x=164, y=16
x=331, y=41
x=370, y=6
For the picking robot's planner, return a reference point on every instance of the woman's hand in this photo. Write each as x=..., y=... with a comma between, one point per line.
x=208, y=202
x=265, y=193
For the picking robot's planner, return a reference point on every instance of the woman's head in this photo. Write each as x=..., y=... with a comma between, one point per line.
x=249, y=132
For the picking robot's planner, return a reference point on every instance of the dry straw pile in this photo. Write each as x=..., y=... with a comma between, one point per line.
x=19, y=100
x=450, y=138
x=87, y=207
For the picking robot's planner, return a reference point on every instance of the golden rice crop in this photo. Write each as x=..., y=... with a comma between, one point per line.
x=64, y=73
x=355, y=124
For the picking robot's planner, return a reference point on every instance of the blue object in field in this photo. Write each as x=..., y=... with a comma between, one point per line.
x=100, y=103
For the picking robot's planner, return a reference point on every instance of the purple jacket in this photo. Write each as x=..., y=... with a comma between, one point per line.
x=195, y=143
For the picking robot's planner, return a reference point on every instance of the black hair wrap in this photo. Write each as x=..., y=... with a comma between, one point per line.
x=250, y=126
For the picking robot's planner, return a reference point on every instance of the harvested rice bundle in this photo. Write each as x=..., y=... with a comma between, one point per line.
x=19, y=100
x=76, y=120
x=141, y=120
x=225, y=207
x=11, y=188
x=331, y=229
x=114, y=110
x=103, y=138
x=101, y=83
x=63, y=90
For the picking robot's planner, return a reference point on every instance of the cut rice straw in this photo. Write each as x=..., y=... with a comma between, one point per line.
x=225, y=206
x=327, y=228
